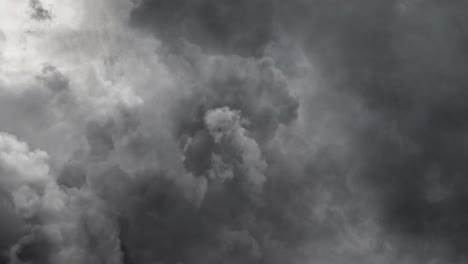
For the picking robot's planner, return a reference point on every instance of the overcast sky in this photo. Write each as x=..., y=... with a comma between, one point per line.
x=233, y=131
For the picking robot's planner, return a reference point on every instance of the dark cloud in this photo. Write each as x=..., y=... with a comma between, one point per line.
x=72, y=175
x=405, y=61
x=408, y=68
x=239, y=27
x=160, y=220
x=34, y=247
x=255, y=87
x=39, y=12
x=12, y=226
x=53, y=79
x=293, y=132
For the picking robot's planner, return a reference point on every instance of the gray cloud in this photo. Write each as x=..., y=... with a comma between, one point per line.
x=233, y=132
x=39, y=12
x=244, y=27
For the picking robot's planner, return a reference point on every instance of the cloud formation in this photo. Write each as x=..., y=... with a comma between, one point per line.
x=264, y=131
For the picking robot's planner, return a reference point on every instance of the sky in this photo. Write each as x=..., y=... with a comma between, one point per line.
x=228, y=132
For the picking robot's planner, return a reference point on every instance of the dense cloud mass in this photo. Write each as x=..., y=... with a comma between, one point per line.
x=220, y=131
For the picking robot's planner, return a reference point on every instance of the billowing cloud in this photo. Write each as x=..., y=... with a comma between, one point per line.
x=261, y=131
x=60, y=225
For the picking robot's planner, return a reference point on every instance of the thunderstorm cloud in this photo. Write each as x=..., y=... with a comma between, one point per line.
x=233, y=131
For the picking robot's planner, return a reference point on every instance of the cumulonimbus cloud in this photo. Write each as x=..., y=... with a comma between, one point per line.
x=207, y=131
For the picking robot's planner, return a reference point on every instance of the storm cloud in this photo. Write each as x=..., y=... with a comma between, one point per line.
x=261, y=131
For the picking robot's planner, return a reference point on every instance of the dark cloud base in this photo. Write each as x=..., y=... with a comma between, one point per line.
x=406, y=60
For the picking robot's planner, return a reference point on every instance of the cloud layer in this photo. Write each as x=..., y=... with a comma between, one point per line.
x=261, y=131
